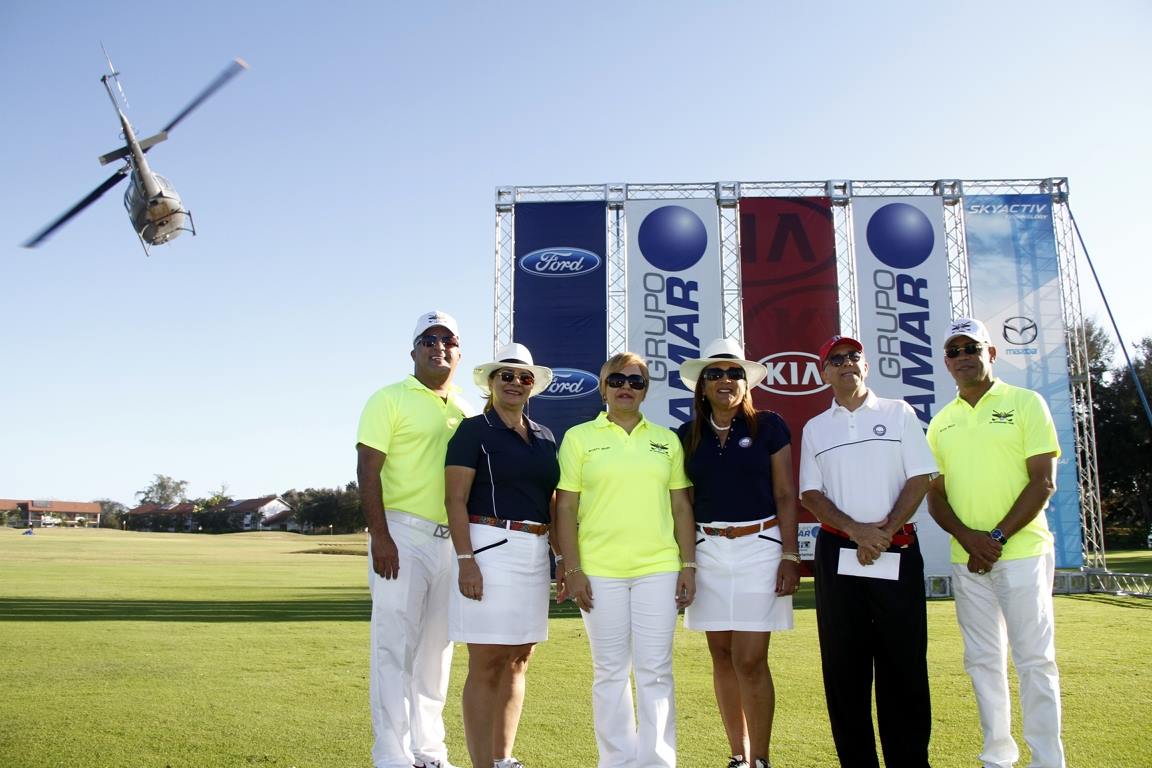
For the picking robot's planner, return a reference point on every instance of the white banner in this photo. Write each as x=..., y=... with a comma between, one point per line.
x=675, y=305
x=902, y=282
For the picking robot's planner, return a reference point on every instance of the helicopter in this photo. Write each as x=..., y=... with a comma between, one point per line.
x=156, y=212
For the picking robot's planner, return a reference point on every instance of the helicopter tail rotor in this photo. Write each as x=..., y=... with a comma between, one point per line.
x=114, y=76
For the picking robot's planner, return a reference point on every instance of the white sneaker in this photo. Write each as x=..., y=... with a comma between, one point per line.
x=508, y=762
x=738, y=761
x=762, y=764
x=431, y=762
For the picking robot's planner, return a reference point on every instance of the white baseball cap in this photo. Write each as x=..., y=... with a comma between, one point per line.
x=432, y=319
x=970, y=327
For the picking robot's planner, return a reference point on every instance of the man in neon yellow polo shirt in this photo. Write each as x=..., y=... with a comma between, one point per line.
x=401, y=442
x=996, y=448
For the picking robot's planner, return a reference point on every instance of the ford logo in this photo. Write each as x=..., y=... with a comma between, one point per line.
x=559, y=262
x=792, y=374
x=570, y=382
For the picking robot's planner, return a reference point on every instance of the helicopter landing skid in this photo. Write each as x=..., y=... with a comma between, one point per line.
x=190, y=228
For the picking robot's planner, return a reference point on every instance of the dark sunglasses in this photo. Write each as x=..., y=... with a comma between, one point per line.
x=430, y=340
x=971, y=348
x=525, y=377
x=715, y=374
x=617, y=380
x=838, y=360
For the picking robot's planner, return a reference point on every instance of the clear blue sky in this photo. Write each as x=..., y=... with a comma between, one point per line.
x=345, y=184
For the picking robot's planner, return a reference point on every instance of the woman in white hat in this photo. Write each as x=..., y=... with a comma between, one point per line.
x=500, y=475
x=744, y=501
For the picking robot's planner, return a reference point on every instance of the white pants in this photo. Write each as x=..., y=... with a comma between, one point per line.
x=1012, y=606
x=411, y=654
x=630, y=629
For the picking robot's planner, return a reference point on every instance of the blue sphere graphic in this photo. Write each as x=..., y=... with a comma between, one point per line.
x=672, y=238
x=900, y=235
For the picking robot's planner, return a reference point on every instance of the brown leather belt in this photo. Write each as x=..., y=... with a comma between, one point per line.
x=901, y=538
x=736, y=531
x=538, y=529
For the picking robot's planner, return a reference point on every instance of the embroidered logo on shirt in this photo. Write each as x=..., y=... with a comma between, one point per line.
x=658, y=447
x=1002, y=417
x=600, y=448
x=879, y=430
x=745, y=442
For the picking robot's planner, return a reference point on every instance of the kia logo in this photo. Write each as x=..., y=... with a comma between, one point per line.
x=568, y=383
x=559, y=262
x=792, y=374
x=1020, y=330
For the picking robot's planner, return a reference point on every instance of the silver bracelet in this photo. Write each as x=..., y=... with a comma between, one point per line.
x=468, y=556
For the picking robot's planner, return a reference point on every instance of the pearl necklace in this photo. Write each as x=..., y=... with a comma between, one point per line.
x=716, y=426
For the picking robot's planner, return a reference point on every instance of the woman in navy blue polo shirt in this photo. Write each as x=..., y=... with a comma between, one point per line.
x=744, y=498
x=500, y=475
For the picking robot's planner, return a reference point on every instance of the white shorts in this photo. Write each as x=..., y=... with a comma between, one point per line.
x=514, y=609
x=736, y=583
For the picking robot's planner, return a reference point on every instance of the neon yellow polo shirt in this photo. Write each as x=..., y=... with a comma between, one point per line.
x=982, y=452
x=625, y=512
x=412, y=424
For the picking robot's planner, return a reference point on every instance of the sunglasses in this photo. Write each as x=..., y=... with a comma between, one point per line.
x=971, y=348
x=838, y=360
x=715, y=374
x=430, y=340
x=617, y=380
x=524, y=377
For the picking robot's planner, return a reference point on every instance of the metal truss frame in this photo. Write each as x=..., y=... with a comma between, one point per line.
x=1079, y=378
x=840, y=192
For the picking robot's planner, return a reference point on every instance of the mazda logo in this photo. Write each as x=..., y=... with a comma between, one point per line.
x=1020, y=330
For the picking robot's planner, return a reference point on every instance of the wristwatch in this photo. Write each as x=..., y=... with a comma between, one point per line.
x=998, y=536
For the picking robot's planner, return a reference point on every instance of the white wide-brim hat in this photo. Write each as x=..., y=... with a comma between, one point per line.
x=512, y=356
x=722, y=351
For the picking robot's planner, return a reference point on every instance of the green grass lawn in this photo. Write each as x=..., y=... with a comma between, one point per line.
x=132, y=649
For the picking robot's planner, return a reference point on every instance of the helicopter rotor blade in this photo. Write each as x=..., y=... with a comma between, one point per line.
x=92, y=197
x=236, y=67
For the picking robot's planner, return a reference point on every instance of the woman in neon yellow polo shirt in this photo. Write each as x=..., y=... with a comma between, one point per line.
x=625, y=529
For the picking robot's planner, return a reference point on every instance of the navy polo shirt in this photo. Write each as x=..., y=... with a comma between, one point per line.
x=514, y=479
x=734, y=483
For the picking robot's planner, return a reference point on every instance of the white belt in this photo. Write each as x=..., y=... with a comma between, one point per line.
x=415, y=521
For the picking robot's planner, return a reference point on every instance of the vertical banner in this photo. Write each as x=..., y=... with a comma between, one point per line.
x=675, y=304
x=1014, y=281
x=789, y=285
x=560, y=305
x=904, y=305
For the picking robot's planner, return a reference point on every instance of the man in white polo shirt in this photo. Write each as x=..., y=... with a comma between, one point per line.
x=864, y=469
x=401, y=443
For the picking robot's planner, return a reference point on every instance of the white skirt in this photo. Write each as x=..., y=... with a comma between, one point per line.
x=514, y=609
x=736, y=583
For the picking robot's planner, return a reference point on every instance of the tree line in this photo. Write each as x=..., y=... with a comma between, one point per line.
x=314, y=510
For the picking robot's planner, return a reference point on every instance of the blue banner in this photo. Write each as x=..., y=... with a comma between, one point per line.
x=560, y=305
x=1014, y=279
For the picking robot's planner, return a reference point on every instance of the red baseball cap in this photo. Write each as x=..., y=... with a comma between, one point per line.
x=827, y=346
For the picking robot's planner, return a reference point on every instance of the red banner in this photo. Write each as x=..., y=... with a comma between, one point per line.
x=788, y=282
